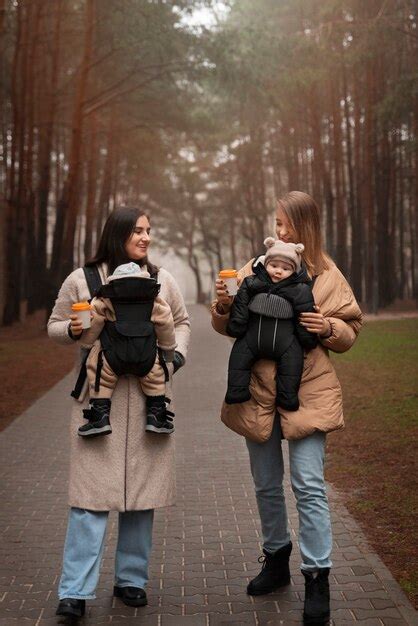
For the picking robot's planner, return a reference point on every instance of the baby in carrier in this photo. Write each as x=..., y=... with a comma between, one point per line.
x=129, y=318
x=264, y=319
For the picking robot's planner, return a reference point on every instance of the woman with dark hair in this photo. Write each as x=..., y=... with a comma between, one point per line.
x=133, y=471
x=336, y=322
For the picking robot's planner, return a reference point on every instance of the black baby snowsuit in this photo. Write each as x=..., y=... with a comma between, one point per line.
x=264, y=319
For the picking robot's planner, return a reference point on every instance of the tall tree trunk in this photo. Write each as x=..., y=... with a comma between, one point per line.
x=14, y=267
x=369, y=160
x=414, y=195
x=355, y=272
x=341, y=248
x=232, y=237
x=383, y=195
x=321, y=171
x=46, y=143
x=30, y=217
x=401, y=244
x=107, y=178
x=292, y=174
x=70, y=197
x=195, y=267
x=91, y=188
x=358, y=230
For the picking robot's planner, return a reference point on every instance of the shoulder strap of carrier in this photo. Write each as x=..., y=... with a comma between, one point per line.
x=94, y=282
x=93, y=279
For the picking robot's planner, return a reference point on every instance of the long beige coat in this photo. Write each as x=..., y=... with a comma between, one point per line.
x=320, y=396
x=131, y=469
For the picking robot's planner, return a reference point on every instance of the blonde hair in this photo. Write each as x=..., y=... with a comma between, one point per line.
x=304, y=217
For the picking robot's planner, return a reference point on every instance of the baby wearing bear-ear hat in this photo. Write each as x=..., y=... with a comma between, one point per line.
x=264, y=319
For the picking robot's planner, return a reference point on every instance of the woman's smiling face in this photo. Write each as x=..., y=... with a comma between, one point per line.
x=136, y=246
x=284, y=230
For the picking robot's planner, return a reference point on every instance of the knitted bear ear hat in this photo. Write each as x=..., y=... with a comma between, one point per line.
x=129, y=270
x=289, y=252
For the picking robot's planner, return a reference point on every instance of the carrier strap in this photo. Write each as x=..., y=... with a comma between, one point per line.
x=93, y=279
x=154, y=273
x=98, y=371
x=94, y=282
x=82, y=375
x=163, y=364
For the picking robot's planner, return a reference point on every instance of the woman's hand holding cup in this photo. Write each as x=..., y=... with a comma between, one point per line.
x=222, y=292
x=76, y=325
x=226, y=286
x=80, y=318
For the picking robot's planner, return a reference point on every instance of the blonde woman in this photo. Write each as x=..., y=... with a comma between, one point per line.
x=337, y=320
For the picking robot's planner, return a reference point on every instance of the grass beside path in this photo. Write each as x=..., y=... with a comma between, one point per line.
x=373, y=462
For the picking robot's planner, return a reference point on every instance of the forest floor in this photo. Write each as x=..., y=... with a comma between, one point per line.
x=30, y=364
x=372, y=462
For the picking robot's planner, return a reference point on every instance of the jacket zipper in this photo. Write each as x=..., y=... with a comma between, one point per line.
x=274, y=335
x=259, y=332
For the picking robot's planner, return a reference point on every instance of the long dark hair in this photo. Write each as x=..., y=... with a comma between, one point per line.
x=118, y=228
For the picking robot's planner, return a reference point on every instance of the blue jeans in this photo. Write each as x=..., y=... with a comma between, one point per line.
x=84, y=546
x=306, y=458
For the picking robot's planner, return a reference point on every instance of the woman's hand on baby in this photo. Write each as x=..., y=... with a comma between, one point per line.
x=222, y=292
x=76, y=325
x=316, y=323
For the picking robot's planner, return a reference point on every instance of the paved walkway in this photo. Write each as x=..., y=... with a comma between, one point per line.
x=205, y=548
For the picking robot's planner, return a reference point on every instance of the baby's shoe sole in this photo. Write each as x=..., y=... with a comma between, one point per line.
x=96, y=432
x=155, y=429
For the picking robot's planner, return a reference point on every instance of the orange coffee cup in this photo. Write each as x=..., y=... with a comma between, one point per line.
x=82, y=309
x=230, y=278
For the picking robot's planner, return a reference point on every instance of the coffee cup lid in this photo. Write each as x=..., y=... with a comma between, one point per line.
x=230, y=273
x=81, y=306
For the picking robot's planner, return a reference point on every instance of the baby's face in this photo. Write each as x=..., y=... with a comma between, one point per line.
x=279, y=270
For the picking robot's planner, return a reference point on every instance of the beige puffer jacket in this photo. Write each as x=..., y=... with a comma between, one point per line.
x=320, y=396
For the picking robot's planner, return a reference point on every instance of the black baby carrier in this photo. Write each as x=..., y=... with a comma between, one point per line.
x=130, y=342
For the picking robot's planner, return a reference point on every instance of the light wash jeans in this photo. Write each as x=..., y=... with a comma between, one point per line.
x=307, y=478
x=84, y=546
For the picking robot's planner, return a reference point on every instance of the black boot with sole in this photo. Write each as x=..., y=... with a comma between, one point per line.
x=316, y=608
x=98, y=419
x=159, y=418
x=274, y=574
x=72, y=608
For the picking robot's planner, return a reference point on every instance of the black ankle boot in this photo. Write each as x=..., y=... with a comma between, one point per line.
x=316, y=609
x=98, y=419
x=159, y=418
x=70, y=607
x=275, y=572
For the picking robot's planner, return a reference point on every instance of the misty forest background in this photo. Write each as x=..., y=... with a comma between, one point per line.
x=106, y=102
